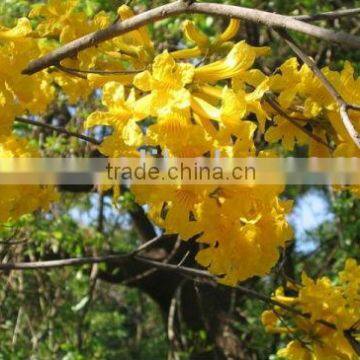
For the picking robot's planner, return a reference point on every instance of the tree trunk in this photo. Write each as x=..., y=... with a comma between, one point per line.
x=198, y=316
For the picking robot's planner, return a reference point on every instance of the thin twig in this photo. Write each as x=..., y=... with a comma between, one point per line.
x=181, y=7
x=294, y=122
x=70, y=71
x=330, y=15
x=99, y=72
x=58, y=130
x=343, y=105
x=153, y=270
x=50, y=264
x=115, y=258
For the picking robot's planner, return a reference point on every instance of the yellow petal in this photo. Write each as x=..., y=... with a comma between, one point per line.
x=193, y=34
x=203, y=108
x=143, y=81
x=230, y=31
x=254, y=77
x=262, y=50
x=259, y=92
x=233, y=108
x=142, y=107
x=212, y=91
x=113, y=94
x=141, y=33
x=98, y=81
x=260, y=113
x=286, y=97
x=132, y=134
x=295, y=351
x=239, y=59
x=99, y=118
x=186, y=53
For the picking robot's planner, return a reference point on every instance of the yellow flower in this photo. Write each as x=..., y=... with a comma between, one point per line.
x=12, y=204
x=166, y=85
x=172, y=206
x=17, y=90
x=56, y=16
x=288, y=133
x=240, y=58
x=287, y=83
x=323, y=300
x=238, y=247
x=295, y=351
x=127, y=135
x=204, y=45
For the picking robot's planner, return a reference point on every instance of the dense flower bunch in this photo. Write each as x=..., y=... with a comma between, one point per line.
x=194, y=102
x=58, y=22
x=16, y=200
x=17, y=95
x=17, y=91
x=218, y=107
x=188, y=105
x=336, y=303
x=306, y=99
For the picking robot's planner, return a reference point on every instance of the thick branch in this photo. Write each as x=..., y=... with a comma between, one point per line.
x=181, y=7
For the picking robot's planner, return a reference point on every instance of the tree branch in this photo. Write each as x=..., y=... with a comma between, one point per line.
x=70, y=71
x=159, y=265
x=50, y=264
x=343, y=105
x=330, y=15
x=181, y=7
x=58, y=130
x=74, y=71
x=294, y=122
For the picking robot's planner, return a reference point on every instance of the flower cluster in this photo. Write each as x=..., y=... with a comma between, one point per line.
x=18, y=200
x=199, y=110
x=330, y=329
x=17, y=95
x=218, y=106
x=58, y=22
x=194, y=102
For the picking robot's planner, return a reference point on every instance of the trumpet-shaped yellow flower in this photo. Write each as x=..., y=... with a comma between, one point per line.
x=127, y=135
x=240, y=58
x=166, y=84
x=238, y=247
x=324, y=301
